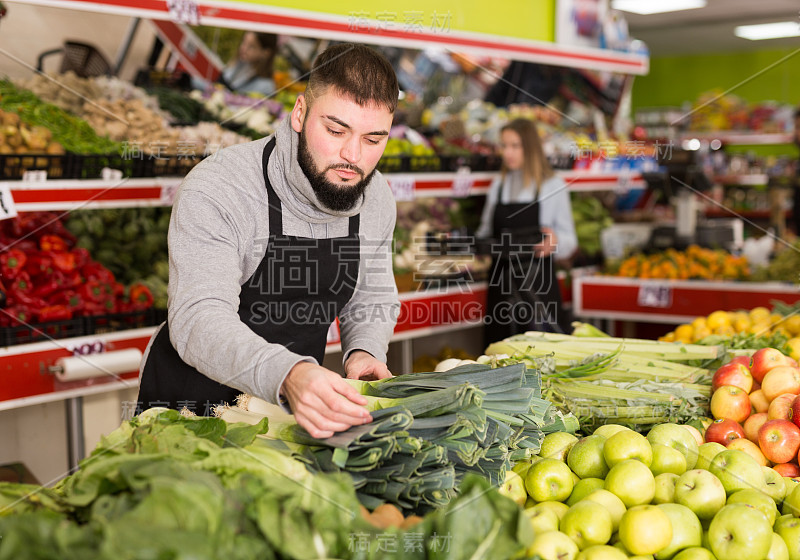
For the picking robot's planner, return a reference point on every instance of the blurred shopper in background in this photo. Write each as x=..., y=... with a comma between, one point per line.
x=528, y=218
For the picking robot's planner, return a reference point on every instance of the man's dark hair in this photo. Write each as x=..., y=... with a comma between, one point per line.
x=357, y=72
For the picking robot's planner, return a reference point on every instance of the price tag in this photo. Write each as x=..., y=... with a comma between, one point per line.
x=34, y=176
x=333, y=333
x=109, y=174
x=168, y=191
x=184, y=11
x=88, y=348
x=653, y=295
x=462, y=184
x=7, y=207
x=403, y=187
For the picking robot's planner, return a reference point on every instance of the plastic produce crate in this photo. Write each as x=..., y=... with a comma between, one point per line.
x=34, y=332
x=112, y=322
x=14, y=166
x=91, y=166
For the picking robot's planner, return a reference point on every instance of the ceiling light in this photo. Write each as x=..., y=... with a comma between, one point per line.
x=647, y=7
x=768, y=30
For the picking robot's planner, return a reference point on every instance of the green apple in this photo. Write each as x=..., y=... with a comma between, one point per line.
x=556, y=445
x=665, y=488
x=559, y=508
x=701, y=492
x=602, y=552
x=553, y=545
x=632, y=482
x=521, y=467
x=737, y=470
x=641, y=557
x=789, y=484
x=775, y=486
x=757, y=500
x=542, y=520
x=530, y=502
x=549, y=479
x=739, y=532
x=667, y=460
x=783, y=518
x=627, y=444
x=645, y=529
x=583, y=488
x=587, y=523
x=706, y=454
x=514, y=487
x=791, y=503
x=678, y=438
x=778, y=550
x=611, y=502
x=788, y=528
x=686, y=530
x=586, y=457
x=608, y=430
x=694, y=553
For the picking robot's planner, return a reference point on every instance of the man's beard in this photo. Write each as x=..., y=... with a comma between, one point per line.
x=339, y=198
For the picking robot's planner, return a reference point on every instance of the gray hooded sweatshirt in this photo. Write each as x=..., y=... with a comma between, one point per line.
x=218, y=236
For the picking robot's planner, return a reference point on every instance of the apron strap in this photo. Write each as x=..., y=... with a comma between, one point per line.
x=273, y=202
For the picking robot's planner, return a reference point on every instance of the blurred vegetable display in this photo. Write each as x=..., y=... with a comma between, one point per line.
x=591, y=218
x=693, y=263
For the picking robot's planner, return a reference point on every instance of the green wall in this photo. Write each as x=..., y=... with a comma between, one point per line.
x=675, y=79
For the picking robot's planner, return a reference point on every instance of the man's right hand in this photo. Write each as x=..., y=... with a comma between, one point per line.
x=322, y=402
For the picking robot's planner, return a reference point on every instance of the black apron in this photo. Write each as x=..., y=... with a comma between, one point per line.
x=523, y=289
x=297, y=291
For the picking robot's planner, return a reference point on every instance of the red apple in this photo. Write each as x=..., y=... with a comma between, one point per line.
x=734, y=374
x=788, y=470
x=752, y=424
x=781, y=407
x=750, y=448
x=723, y=431
x=758, y=401
x=756, y=385
x=780, y=380
x=779, y=440
x=795, y=417
x=730, y=402
x=764, y=360
x=746, y=361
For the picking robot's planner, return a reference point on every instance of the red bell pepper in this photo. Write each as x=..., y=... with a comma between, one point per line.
x=72, y=279
x=3, y=298
x=92, y=308
x=17, y=315
x=21, y=284
x=70, y=298
x=81, y=256
x=63, y=261
x=49, y=284
x=93, y=291
x=12, y=262
x=95, y=271
x=53, y=243
x=39, y=263
x=140, y=297
x=53, y=313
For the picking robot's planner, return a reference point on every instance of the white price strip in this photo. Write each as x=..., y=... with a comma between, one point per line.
x=651, y=295
x=7, y=207
x=34, y=176
x=463, y=182
x=402, y=187
x=184, y=11
x=168, y=191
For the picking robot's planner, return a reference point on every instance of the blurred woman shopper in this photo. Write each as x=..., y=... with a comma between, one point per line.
x=528, y=218
x=251, y=72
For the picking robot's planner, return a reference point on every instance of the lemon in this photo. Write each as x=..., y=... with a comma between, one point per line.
x=684, y=332
x=794, y=345
x=699, y=322
x=793, y=324
x=742, y=324
x=717, y=320
x=725, y=330
x=701, y=332
x=669, y=337
x=776, y=318
x=759, y=313
x=760, y=328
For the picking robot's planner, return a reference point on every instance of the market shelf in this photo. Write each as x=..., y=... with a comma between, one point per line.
x=260, y=17
x=73, y=194
x=747, y=214
x=670, y=301
x=756, y=179
x=733, y=138
x=24, y=377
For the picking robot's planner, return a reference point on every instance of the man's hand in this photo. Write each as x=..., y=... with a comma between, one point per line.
x=322, y=402
x=548, y=244
x=362, y=365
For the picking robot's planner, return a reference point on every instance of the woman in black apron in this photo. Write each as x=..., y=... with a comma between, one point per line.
x=527, y=217
x=168, y=381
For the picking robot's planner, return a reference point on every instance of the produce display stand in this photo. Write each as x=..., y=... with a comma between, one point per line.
x=670, y=301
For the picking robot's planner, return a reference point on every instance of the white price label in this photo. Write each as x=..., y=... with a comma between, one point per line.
x=402, y=187
x=333, y=333
x=7, y=207
x=88, y=348
x=109, y=174
x=184, y=11
x=168, y=191
x=462, y=183
x=653, y=295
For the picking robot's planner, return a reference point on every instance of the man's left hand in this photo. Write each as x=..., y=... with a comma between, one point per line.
x=362, y=365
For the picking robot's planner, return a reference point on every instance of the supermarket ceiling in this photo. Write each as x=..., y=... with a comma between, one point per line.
x=710, y=29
